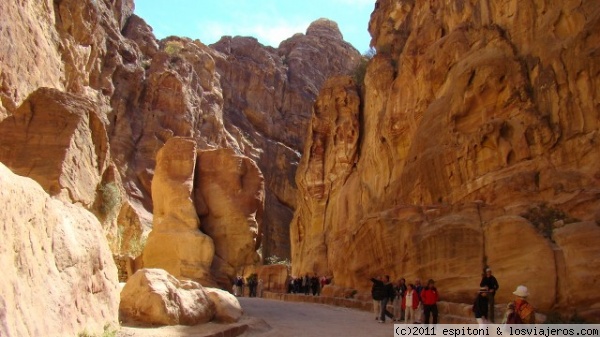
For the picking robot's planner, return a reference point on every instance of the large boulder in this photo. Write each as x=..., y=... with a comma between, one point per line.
x=153, y=296
x=59, y=276
x=227, y=306
x=229, y=198
x=176, y=243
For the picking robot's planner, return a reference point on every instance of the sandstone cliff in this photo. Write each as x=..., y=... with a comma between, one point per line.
x=88, y=97
x=59, y=276
x=236, y=94
x=477, y=146
x=268, y=94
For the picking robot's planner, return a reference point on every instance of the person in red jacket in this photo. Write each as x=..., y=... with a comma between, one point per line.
x=430, y=297
x=410, y=303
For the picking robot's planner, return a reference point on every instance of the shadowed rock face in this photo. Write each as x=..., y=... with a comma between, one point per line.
x=473, y=113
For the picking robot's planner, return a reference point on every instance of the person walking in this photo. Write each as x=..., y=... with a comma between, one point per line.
x=388, y=295
x=430, y=297
x=488, y=280
x=410, y=303
x=377, y=292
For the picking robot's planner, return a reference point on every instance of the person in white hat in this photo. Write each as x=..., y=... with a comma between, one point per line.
x=522, y=308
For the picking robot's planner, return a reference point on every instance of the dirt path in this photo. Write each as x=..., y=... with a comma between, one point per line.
x=271, y=318
x=294, y=319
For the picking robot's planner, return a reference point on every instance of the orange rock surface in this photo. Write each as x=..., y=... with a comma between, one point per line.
x=473, y=115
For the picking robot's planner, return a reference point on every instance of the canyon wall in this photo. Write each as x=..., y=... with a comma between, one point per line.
x=476, y=147
x=88, y=98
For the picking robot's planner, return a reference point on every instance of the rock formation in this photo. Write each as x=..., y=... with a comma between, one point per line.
x=274, y=277
x=208, y=208
x=153, y=296
x=229, y=199
x=237, y=95
x=53, y=255
x=176, y=243
x=473, y=116
x=59, y=140
x=268, y=94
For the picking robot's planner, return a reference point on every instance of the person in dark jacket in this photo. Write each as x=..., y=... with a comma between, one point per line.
x=480, y=307
x=388, y=295
x=377, y=294
x=430, y=297
x=488, y=280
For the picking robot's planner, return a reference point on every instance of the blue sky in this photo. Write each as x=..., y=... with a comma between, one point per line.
x=270, y=21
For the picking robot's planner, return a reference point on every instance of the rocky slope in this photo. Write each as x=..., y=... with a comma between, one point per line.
x=477, y=147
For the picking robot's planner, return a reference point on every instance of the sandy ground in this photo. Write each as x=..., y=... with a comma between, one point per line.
x=270, y=318
x=294, y=319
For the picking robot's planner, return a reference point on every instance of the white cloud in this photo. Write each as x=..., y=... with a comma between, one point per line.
x=268, y=33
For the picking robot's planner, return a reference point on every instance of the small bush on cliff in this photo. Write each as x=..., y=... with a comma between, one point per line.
x=361, y=69
x=277, y=260
x=543, y=217
x=135, y=245
x=111, y=198
x=173, y=47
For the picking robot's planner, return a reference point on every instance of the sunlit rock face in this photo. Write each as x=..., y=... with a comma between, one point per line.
x=472, y=115
x=268, y=95
x=176, y=243
x=153, y=296
x=89, y=96
x=53, y=255
x=229, y=199
x=59, y=140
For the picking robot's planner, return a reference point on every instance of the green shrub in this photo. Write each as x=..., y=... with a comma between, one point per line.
x=136, y=245
x=543, y=218
x=173, y=48
x=277, y=260
x=111, y=199
x=361, y=69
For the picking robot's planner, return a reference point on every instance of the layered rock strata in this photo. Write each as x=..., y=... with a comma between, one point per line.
x=474, y=116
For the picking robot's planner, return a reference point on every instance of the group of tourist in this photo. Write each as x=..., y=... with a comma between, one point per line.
x=410, y=302
x=307, y=284
x=255, y=286
x=414, y=304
